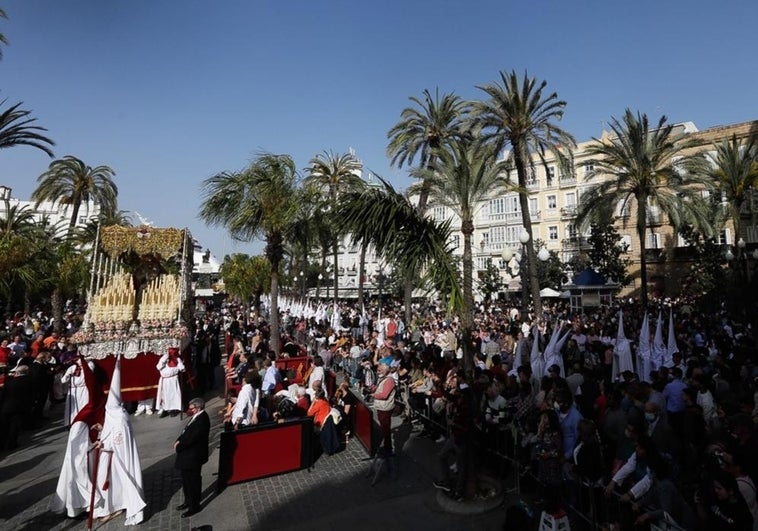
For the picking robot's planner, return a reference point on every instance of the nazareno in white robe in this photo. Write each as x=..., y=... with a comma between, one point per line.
x=77, y=395
x=119, y=482
x=169, y=397
x=74, y=485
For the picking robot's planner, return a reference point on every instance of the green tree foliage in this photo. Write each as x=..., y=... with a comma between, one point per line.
x=607, y=253
x=246, y=277
x=489, y=282
x=334, y=174
x=69, y=181
x=17, y=129
x=261, y=201
x=550, y=272
x=645, y=165
x=707, y=276
x=734, y=170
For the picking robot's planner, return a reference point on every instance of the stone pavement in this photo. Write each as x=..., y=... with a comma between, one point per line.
x=336, y=492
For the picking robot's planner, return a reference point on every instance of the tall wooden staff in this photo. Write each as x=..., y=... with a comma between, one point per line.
x=95, y=449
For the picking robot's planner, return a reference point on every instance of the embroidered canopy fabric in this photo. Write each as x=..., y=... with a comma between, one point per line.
x=144, y=240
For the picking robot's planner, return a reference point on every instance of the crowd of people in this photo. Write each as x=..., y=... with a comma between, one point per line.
x=677, y=444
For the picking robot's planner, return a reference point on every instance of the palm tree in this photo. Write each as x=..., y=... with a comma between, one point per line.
x=645, y=167
x=521, y=117
x=260, y=201
x=735, y=174
x=69, y=181
x=3, y=40
x=335, y=174
x=385, y=219
x=460, y=180
x=246, y=278
x=16, y=129
x=426, y=130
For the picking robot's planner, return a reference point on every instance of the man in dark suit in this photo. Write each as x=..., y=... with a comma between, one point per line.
x=191, y=453
x=15, y=407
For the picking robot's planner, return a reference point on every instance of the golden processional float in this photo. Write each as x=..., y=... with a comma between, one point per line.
x=139, y=292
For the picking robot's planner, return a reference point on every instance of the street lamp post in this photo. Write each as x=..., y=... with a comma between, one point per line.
x=507, y=255
x=318, y=286
x=302, y=282
x=5, y=196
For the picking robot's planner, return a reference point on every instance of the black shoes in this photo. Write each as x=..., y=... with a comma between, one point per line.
x=181, y=507
x=163, y=415
x=174, y=413
x=191, y=512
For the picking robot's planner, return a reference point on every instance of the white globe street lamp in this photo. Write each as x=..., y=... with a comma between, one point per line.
x=543, y=255
x=507, y=254
x=741, y=243
x=729, y=256
x=523, y=236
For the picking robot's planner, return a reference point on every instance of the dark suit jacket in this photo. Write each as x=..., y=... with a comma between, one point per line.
x=192, y=451
x=17, y=396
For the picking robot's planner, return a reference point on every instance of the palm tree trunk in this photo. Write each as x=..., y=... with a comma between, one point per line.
x=641, y=230
x=74, y=215
x=408, y=296
x=27, y=302
x=274, y=339
x=335, y=260
x=526, y=220
x=361, y=271
x=467, y=228
x=56, y=301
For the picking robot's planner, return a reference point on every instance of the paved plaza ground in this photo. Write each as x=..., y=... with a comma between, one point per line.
x=335, y=494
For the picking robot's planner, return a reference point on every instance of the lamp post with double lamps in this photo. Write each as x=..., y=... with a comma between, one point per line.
x=509, y=255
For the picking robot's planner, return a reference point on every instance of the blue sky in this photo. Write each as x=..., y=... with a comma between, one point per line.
x=169, y=93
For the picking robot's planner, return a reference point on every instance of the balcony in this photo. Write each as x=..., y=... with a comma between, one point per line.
x=575, y=243
x=532, y=184
x=655, y=255
x=566, y=181
x=654, y=216
x=535, y=216
x=568, y=212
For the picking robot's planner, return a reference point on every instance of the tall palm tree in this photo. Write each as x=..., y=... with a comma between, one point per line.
x=260, y=201
x=426, y=130
x=520, y=116
x=69, y=181
x=735, y=174
x=16, y=129
x=460, y=180
x=645, y=168
x=335, y=173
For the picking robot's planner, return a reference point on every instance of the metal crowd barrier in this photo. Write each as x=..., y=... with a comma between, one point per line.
x=587, y=504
